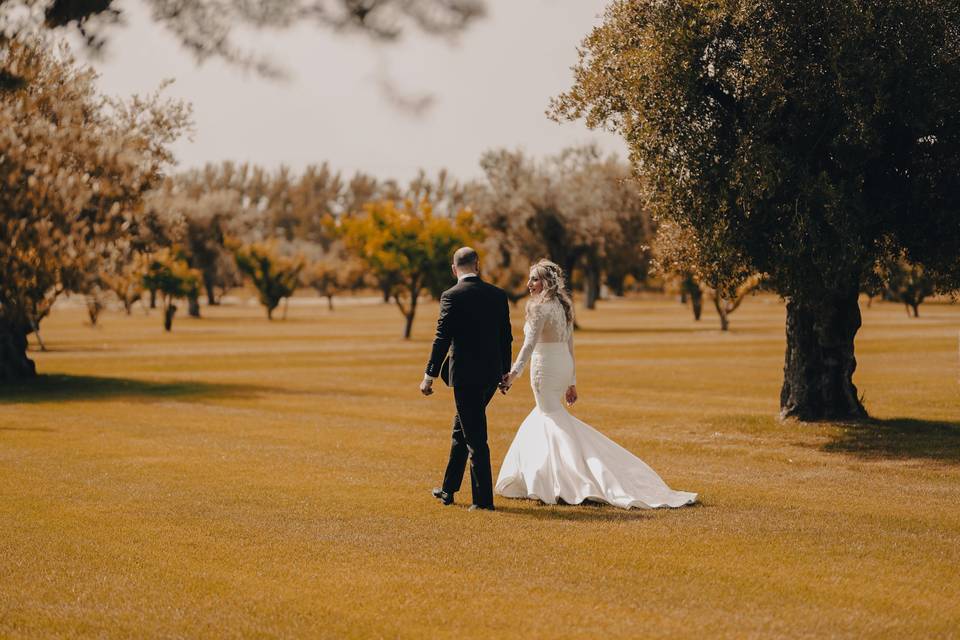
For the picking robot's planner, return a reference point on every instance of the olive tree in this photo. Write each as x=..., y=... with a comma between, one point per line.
x=74, y=167
x=168, y=273
x=797, y=139
x=906, y=283
x=274, y=275
x=576, y=207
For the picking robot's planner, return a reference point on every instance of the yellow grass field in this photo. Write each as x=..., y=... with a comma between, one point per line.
x=241, y=478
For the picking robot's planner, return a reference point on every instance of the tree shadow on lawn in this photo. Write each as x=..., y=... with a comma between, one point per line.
x=64, y=387
x=33, y=349
x=899, y=439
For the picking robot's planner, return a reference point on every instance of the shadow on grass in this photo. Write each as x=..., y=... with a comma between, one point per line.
x=37, y=350
x=60, y=387
x=586, y=512
x=899, y=439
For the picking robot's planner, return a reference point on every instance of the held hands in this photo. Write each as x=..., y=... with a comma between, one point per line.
x=506, y=382
x=571, y=394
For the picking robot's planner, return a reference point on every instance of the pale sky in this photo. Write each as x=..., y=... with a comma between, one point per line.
x=490, y=90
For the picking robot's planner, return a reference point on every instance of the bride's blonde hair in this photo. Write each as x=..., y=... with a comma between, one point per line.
x=554, y=286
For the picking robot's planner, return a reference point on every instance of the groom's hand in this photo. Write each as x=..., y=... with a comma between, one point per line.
x=426, y=387
x=505, y=383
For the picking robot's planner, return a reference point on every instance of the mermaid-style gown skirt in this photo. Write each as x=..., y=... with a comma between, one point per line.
x=555, y=456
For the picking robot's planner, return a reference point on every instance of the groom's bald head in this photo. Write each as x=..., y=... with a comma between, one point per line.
x=465, y=258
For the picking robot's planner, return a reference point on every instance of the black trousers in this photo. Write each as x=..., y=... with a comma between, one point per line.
x=470, y=440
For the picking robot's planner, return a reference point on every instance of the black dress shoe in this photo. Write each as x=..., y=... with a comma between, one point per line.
x=476, y=507
x=443, y=496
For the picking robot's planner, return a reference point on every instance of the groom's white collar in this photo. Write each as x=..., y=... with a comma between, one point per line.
x=467, y=275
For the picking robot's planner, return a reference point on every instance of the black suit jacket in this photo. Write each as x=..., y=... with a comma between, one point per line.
x=475, y=321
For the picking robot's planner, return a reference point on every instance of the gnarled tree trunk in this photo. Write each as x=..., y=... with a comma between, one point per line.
x=592, y=281
x=726, y=306
x=409, y=310
x=169, y=311
x=193, y=306
x=723, y=311
x=387, y=284
x=210, y=284
x=617, y=283
x=690, y=289
x=819, y=362
x=14, y=363
x=94, y=307
x=696, y=303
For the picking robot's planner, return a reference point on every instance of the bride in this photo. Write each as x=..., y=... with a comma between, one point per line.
x=555, y=457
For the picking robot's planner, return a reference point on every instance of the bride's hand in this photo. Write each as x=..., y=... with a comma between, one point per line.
x=571, y=394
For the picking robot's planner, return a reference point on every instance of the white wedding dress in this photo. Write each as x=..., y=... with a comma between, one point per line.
x=555, y=456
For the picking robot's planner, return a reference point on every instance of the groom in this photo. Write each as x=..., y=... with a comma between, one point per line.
x=475, y=319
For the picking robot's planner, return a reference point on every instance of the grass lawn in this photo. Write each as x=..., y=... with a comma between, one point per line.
x=245, y=478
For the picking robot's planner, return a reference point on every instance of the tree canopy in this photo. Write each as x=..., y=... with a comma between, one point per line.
x=206, y=27
x=74, y=167
x=797, y=139
x=578, y=207
x=408, y=245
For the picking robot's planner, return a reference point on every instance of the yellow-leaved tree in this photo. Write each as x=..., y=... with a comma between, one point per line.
x=275, y=276
x=168, y=273
x=407, y=243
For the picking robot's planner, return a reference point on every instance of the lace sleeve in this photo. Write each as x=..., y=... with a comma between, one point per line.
x=531, y=335
x=573, y=379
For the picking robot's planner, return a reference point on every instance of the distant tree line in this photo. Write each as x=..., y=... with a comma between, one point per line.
x=89, y=210
x=223, y=223
x=812, y=150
